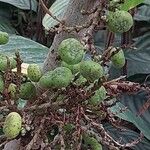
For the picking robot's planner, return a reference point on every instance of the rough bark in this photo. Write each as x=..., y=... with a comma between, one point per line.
x=72, y=17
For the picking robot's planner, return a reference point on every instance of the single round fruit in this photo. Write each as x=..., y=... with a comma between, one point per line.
x=61, y=77
x=12, y=89
x=92, y=142
x=34, y=72
x=98, y=97
x=71, y=51
x=12, y=125
x=45, y=81
x=119, y=21
x=118, y=59
x=74, y=68
x=1, y=84
x=3, y=62
x=91, y=70
x=4, y=38
x=27, y=91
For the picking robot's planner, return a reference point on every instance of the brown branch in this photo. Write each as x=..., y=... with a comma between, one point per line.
x=29, y=146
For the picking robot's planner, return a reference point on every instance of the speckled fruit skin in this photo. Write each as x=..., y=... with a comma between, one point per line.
x=118, y=59
x=98, y=97
x=3, y=62
x=45, y=81
x=61, y=77
x=74, y=68
x=12, y=125
x=34, y=72
x=4, y=38
x=71, y=51
x=92, y=142
x=119, y=21
x=1, y=84
x=12, y=89
x=27, y=91
x=91, y=70
x=58, y=78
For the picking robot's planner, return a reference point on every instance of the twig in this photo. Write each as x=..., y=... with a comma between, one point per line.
x=29, y=146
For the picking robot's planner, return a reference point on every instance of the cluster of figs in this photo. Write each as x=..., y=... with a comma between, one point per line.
x=72, y=54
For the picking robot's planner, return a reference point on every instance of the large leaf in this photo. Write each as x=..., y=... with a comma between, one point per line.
x=127, y=136
x=58, y=8
x=31, y=52
x=131, y=113
x=6, y=26
x=129, y=4
x=23, y=4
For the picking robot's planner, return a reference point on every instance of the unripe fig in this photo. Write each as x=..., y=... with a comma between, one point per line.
x=27, y=91
x=98, y=97
x=61, y=77
x=118, y=59
x=91, y=70
x=34, y=72
x=45, y=81
x=58, y=78
x=12, y=89
x=4, y=38
x=71, y=51
x=12, y=125
x=74, y=68
x=3, y=62
x=119, y=21
x=92, y=142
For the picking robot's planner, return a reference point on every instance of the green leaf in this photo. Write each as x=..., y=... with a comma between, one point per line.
x=23, y=4
x=129, y=4
x=127, y=136
x=31, y=51
x=58, y=8
x=131, y=114
x=6, y=26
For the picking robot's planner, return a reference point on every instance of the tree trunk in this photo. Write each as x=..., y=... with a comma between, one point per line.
x=72, y=17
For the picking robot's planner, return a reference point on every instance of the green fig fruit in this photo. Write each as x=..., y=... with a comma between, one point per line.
x=58, y=78
x=91, y=142
x=71, y=51
x=4, y=38
x=98, y=97
x=119, y=21
x=118, y=59
x=12, y=125
x=12, y=89
x=74, y=68
x=45, y=81
x=91, y=70
x=34, y=72
x=27, y=91
x=3, y=62
x=61, y=77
